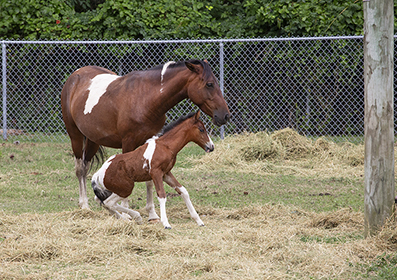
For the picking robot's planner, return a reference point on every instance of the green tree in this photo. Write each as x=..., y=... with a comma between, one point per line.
x=307, y=18
x=151, y=19
x=126, y=19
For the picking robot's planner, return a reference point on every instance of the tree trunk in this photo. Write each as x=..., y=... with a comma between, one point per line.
x=379, y=127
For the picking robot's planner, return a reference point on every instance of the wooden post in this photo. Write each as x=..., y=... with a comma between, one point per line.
x=379, y=124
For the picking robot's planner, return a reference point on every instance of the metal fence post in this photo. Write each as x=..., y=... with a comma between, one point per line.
x=4, y=79
x=221, y=80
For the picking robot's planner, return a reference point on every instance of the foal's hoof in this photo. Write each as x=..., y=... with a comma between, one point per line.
x=154, y=221
x=125, y=216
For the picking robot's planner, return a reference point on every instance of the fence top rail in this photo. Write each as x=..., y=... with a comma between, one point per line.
x=188, y=40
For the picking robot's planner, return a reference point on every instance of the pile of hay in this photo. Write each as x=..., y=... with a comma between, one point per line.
x=284, y=152
x=262, y=242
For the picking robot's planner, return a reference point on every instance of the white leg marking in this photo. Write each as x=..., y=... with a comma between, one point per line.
x=111, y=203
x=149, y=202
x=192, y=211
x=98, y=87
x=81, y=173
x=163, y=214
x=148, y=154
x=124, y=203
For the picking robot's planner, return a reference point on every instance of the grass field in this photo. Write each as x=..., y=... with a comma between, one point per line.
x=273, y=210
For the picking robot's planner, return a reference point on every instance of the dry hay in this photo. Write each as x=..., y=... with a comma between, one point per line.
x=264, y=242
x=284, y=152
x=13, y=132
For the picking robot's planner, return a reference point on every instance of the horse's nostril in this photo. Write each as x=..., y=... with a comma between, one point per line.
x=227, y=117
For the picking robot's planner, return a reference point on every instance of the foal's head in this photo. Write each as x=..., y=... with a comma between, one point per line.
x=199, y=134
x=204, y=91
x=193, y=129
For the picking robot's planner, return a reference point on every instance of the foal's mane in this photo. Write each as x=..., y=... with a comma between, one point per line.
x=175, y=123
x=206, y=72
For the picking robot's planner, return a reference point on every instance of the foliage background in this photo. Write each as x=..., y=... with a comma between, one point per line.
x=35, y=73
x=160, y=19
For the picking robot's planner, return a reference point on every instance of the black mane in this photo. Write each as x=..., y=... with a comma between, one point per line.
x=206, y=73
x=175, y=123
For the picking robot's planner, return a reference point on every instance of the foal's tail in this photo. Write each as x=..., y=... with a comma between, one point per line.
x=101, y=193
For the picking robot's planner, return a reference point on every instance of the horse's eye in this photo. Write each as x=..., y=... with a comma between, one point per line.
x=209, y=85
x=201, y=129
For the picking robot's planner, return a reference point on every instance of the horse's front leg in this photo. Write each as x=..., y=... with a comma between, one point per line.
x=158, y=183
x=81, y=168
x=153, y=217
x=172, y=182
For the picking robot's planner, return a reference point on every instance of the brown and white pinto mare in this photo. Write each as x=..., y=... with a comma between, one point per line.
x=101, y=108
x=114, y=181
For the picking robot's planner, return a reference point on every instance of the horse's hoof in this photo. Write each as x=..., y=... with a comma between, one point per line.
x=154, y=221
x=167, y=227
x=202, y=225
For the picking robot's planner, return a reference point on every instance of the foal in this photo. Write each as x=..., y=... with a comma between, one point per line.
x=114, y=181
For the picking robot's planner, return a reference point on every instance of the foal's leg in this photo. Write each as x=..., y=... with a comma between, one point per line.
x=158, y=182
x=153, y=217
x=171, y=180
x=124, y=203
x=111, y=203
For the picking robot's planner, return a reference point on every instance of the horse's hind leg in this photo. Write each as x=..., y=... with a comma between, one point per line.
x=153, y=217
x=111, y=203
x=82, y=166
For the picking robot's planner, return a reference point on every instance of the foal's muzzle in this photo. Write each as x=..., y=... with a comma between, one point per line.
x=209, y=147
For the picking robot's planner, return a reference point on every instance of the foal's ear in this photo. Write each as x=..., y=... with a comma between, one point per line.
x=192, y=67
x=197, y=115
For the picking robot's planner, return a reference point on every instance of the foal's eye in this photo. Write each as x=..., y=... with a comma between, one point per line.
x=201, y=129
x=210, y=85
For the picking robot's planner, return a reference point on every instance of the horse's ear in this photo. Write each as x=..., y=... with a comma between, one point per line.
x=192, y=67
x=197, y=115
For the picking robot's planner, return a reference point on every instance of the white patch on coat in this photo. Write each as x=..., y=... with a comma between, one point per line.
x=97, y=88
x=163, y=73
x=99, y=176
x=165, y=69
x=148, y=154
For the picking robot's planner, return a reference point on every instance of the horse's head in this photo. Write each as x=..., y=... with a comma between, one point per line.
x=199, y=134
x=204, y=91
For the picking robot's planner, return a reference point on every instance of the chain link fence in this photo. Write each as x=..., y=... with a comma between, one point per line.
x=313, y=85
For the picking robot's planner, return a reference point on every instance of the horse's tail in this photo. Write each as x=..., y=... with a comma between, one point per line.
x=101, y=193
x=99, y=158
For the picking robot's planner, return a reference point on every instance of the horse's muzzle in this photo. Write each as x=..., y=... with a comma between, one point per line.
x=218, y=121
